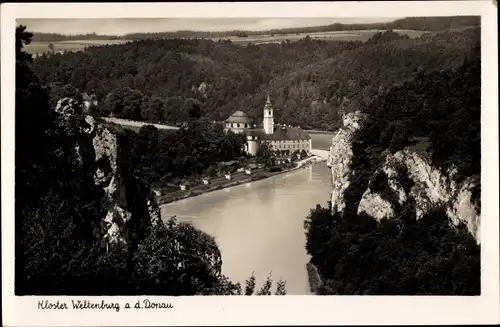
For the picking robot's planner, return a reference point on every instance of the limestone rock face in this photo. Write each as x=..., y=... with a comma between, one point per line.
x=430, y=187
x=408, y=175
x=375, y=206
x=123, y=203
x=339, y=160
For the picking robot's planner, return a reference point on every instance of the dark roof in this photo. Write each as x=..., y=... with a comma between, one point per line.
x=282, y=133
x=268, y=104
x=254, y=132
x=240, y=117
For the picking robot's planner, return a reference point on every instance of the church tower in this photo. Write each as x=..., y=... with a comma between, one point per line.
x=268, y=117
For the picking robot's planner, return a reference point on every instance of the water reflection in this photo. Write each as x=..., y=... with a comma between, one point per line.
x=259, y=226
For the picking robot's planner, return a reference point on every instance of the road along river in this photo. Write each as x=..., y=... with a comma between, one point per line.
x=258, y=226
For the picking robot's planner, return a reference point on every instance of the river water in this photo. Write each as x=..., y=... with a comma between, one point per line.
x=259, y=226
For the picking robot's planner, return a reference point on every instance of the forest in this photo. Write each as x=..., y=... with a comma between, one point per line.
x=160, y=157
x=59, y=247
x=159, y=80
x=356, y=255
x=403, y=255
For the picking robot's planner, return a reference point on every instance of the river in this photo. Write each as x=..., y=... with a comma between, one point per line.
x=259, y=226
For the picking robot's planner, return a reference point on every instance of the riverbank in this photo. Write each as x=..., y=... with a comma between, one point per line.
x=202, y=189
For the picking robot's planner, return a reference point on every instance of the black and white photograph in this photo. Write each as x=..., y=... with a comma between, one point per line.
x=246, y=156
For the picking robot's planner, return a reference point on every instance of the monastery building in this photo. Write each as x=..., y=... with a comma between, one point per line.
x=279, y=137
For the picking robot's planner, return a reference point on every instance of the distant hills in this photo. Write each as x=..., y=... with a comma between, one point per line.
x=409, y=23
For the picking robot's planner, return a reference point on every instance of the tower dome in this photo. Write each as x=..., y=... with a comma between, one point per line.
x=240, y=117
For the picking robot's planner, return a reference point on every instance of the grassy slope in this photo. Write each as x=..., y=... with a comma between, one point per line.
x=77, y=45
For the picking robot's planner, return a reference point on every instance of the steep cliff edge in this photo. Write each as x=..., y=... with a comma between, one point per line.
x=404, y=215
x=340, y=158
x=127, y=205
x=406, y=175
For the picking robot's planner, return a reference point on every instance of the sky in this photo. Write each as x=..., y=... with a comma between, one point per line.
x=121, y=26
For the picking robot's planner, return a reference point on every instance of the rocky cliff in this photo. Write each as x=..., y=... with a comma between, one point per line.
x=126, y=204
x=340, y=158
x=406, y=175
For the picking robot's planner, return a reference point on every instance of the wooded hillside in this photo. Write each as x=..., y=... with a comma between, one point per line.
x=309, y=80
x=357, y=255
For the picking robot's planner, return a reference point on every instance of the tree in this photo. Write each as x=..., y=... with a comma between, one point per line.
x=152, y=109
x=58, y=91
x=124, y=103
x=211, y=171
x=280, y=288
x=177, y=260
x=174, y=110
x=265, y=155
x=399, y=137
x=193, y=109
x=242, y=161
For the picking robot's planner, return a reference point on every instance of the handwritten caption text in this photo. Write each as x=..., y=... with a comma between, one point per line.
x=101, y=305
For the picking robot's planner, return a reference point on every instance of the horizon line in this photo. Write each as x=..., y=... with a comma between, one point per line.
x=40, y=30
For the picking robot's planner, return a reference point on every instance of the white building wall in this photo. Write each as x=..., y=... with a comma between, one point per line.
x=236, y=127
x=253, y=147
